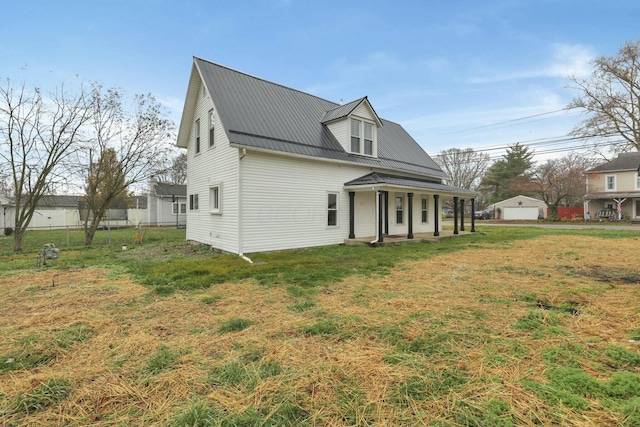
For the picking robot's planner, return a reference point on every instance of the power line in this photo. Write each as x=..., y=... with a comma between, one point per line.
x=509, y=121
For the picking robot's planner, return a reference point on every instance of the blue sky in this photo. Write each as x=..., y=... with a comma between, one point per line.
x=454, y=73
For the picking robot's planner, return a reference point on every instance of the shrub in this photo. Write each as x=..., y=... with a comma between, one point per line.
x=8, y=231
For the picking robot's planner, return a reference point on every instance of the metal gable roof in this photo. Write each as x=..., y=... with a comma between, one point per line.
x=624, y=162
x=256, y=113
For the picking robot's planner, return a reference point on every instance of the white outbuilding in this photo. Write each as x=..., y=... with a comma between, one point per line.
x=519, y=208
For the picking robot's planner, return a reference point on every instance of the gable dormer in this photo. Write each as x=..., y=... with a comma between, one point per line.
x=355, y=125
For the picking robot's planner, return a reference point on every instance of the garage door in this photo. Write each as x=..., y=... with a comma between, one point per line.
x=521, y=213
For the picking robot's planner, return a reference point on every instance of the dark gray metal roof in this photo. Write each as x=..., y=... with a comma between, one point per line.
x=59, y=201
x=256, y=113
x=624, y=162
x=376, y=178
x=163, y=189
x=342, y=111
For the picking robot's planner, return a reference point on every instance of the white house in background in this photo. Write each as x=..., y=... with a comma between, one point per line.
x=167, y=204
x=61, y=211
x=6, y=220
x=519, y=208
x=272, y=168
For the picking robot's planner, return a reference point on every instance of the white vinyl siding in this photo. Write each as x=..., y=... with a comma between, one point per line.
x=290, y=209
x=206, y=170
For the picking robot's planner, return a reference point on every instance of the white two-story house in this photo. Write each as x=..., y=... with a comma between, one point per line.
x=612, y=183
x=272, y=168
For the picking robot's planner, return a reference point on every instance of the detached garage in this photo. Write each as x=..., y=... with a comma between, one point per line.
x=520, y=208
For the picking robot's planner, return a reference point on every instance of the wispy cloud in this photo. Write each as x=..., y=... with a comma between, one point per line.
x=565, y=60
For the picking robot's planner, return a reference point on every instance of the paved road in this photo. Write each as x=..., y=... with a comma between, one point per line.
x=562, y=225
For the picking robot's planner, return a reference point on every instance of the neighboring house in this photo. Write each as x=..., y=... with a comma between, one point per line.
x=271, y=168
x=167, y=204
x=59, y=211
x=5, y=210
x=519, y=208
x=615, y=183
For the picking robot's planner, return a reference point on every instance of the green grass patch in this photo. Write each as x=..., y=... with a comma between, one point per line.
x=49, y=393
x=163, y=359
x=234, y=325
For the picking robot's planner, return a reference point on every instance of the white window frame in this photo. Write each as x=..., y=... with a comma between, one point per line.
x=197, y=135
x=194, y=202
x=333, y=209
x=362, y=125
x=179, y=205
x=606, y=182
x=401, y=210
x=637, y=181
x=215, y=199
x=212, y=129
x=424, y=210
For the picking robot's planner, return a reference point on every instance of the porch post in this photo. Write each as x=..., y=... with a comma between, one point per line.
x=380, y=211
x=455, y=215
x=410, y=216
x=352, y=214
x=436, y=216
x=473, y=215
x=461, y=214
x=386, y=212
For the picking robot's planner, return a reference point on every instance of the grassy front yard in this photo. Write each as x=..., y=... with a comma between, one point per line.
x=510, y=326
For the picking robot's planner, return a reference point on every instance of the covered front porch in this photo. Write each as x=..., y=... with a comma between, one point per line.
x=383, y=207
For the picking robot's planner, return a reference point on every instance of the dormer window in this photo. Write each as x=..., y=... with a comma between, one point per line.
x=362, y=137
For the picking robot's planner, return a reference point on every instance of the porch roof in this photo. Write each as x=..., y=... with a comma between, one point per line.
x=611, y=195
x=376, y=179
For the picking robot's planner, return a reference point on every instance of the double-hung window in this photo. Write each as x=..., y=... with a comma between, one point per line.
x=181, y=206
x=197, y=132
x=425, y=210
x=368, y=139
x=193, y=202
x=215, y=199
x=355, y=136
x=362, y=137
x=638, y=184
x=211, y=129
x=611, y=182
x=399, y=210
x=332, y=209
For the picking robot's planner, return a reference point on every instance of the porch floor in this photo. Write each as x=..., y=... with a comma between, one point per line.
x=398, y=239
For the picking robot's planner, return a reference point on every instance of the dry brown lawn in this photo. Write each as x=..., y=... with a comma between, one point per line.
x=468, y=302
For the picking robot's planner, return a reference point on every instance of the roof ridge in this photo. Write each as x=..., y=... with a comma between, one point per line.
x=267, y=81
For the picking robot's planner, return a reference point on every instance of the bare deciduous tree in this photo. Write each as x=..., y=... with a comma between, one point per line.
x=176, y=173
x=130, y=144
x=36, y=136
x=611, y=97
x=465, y=167
x=561, y=181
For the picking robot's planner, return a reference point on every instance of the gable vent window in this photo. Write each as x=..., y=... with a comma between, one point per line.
x=197, y=132
x=211, y=129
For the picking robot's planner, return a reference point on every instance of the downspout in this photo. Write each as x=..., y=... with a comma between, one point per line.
x=243, y=153
x=375, y=195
